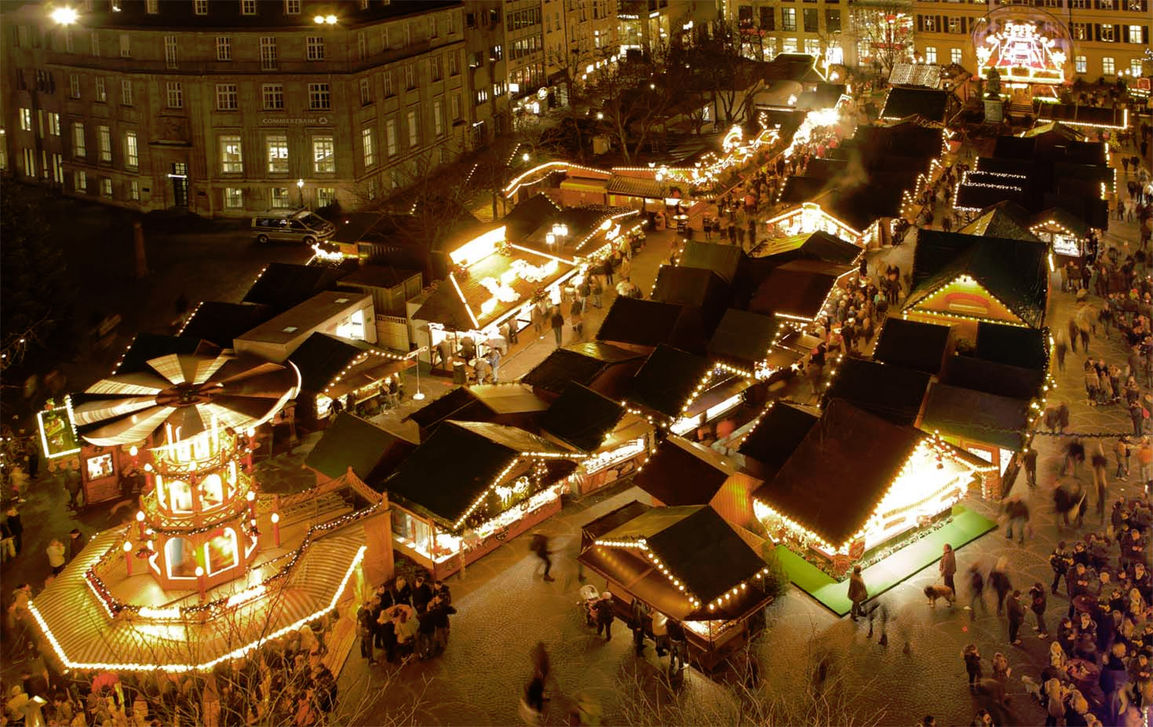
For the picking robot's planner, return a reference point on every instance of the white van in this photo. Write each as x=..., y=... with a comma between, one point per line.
x=300, y=226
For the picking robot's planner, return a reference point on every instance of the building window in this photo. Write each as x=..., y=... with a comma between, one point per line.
x=1135, y=67
x=231, y=154
x=1107, y=34
x=1080, y=64
x=954, y=25
x=813, y=46
x=233, y=198
x=268, y=53
x=454, y=106
x=481, y=96
x=79, y=150
x=413, y=129
x=152, y=7
x=170, y=58
x=272, y=95
x=279, y=198
x=105, y=187
x=26, y=119
x=930, y=54
x=58, y=169
x=454, y=64
x=29, y=162
x=809, y=16
x=386, y=78
x=370, y=189
x=248, y=7
x=131, y=151
x=438, y=117
x=789, y=19
x=292, y=7
x=365, y=92
x=929, y=23
x=277, y=148
x=325, y=196
x=314, y=47
x=368, y=141
x=125, y=45
x=955, y=55
x=73, y=86
x=104, y=143
x=409, y=77
x=1108, y=65
x=80, y=181
x=125, y=92
x=134, y=190
x=318, y=97
x=832, y=20
x=1136, y=35
x=434, y=68
x=101, y=91
x=93, y=42
x=69, y=44
x=390, y=137
x=174, y=95
x=1080, y=31
x=361, y=46
x=323, y=154
x=224, y=47
x=227, y=98
x=200, y=7
x=53, y=123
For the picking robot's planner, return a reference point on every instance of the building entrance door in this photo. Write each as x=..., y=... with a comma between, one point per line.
x=179, y=178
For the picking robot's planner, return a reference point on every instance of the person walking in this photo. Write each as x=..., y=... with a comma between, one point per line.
x=972, y=659
x=56, y=556
x=976, y=591
x=999, y=580
x=1037, y=604
x=365, y=629
x=1099, y=464
x=858, y=593
x=948, y=566
x=15, y=528
x=604, y=615
x=678, y=646
x=556, y=321
x=1030, y=461
x=76, y=542
x=539, y=546
x=1016, y=613
x=577, y=315
x=1016, y=514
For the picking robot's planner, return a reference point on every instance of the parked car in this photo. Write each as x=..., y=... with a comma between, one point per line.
x=288, y=226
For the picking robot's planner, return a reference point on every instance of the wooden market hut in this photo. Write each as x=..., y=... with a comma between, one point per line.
x=684, y=391
x=514, y=404
x=855, y=483
x=746, y=341
x=815, y=245
x=686, y=564
x=1006, y=220
x=284, y=285
x=693, y=288
x=891, y=392
x=602, y=367
x=469, y=487
x=333, y=368
x=913, y=345
x=799, y=289
x=642, y=325
x=615, y=441
x=929, y=104
x=221, y=323
x=774, y=438
x=353, y=444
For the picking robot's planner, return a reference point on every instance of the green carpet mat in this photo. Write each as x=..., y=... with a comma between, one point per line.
x=965, y=526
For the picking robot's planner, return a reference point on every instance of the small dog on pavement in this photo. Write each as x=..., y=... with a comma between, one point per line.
x=936, y=591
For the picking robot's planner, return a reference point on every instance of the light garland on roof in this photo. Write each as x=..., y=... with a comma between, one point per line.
x=964, y=279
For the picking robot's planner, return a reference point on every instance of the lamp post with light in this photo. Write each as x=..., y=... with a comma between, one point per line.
x=300, y=191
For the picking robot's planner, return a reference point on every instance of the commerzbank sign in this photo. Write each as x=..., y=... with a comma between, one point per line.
x=294, y=121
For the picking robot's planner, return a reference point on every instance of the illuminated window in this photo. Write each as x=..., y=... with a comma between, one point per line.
x=213, y=492
x=323, y=154
x=353, y=326
x=1108, y=66
x=179, y=496
x=1107, y=34
x=390, y=137
x=104, y=143
x=272, y=95
x=813, y=46
x=1137, y=35
x=276, y=146
x=231, y=154
x=930, y=54
x=248, y=7
x=789, y=19
x=105, y=191
x=788, y=45
x=1080, y=64
x=134, y=190
x=279, y=199
x=79, y=181
x=368, y=143
x=325, y=196
x=26, y=119
x=131, y=150
x=929, y=23
x=78, y=148
x=233, y=198
x=152, y=7
x=222, y=552
x=413, y=129
x=954, y=25
x=1135, y=67
x=180, y=558
x=200, y=7
x=955, y=55
x=292, y=7
x=101, y=92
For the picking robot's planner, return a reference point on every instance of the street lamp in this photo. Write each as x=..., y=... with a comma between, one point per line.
x=300, y=190
x=325, y=20
x=65, y=15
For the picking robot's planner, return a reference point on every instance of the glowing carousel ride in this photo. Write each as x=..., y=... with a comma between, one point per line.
x=209, y=569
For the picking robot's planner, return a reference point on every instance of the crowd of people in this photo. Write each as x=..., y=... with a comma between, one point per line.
x=405, y=620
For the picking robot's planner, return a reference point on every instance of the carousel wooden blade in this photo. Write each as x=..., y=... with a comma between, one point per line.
x=243, y=368
x=170, y=367
x=128, y=430
x=188, y=421
x=206, y=368
x=253, y=410
x=268, y=385
x=129, y=384
x=107, y=408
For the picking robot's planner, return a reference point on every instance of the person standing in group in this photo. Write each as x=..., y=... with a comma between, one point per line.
x=1037, y=603
x=1060, y=560
x=1016, y=613
x=56, y=556
x=1030, y=460
x=678, y=647
x=577, y=315
x=858, y=593
x=972, y=658
x=556, y=321
x=604, y=615
x=948, y=566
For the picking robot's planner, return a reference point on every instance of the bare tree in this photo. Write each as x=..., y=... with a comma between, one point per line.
x=720, y=70
x=886, y=26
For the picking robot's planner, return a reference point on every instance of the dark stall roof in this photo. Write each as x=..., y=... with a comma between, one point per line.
x=1007, y=220
x=1056, y=131
x=529, y=215
x=581, y=362
x=582, y=418
x=696, y=545
x=978, y=197
x=478, y=403
x=457, y=403
x=861, y=206
x=667, y=379
x=681, y=472
x=1013, y=345
x=1014, y=147
x=1078, y=115
x=1063, y=217
x=379, y=276
x=992, y=377
x=777, y=435
x=692, y=287
x=282, y=285
x=928, y=103
x=640, y=322
x=798, y=289
x=792, y=67
x=349, y=441
x=635, y=187
x=840, y=471
x=724, y=260
x=824, y=96
x=1014, y=271
x=322, y=357
x=976, y=416
x=147, y=346
x=449, y=471
x=743, y=338
x=912, y=345
x=888, y=391
x=222, y=323
x=819, y=245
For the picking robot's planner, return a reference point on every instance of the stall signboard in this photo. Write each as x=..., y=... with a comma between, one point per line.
x=57, y=432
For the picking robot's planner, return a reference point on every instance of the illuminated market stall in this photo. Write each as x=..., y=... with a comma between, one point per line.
x=469, y=487
x=602, y=367
x=513, y=404
x=354, y=373
x=615, y=441
x=210, y=569
x=99, y=466
x=887, y=481
x=687, y=565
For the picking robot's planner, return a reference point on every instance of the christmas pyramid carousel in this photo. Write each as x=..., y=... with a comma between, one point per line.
x=210, y=569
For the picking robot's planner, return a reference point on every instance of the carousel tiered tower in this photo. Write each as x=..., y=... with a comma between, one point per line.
x=199, y=576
